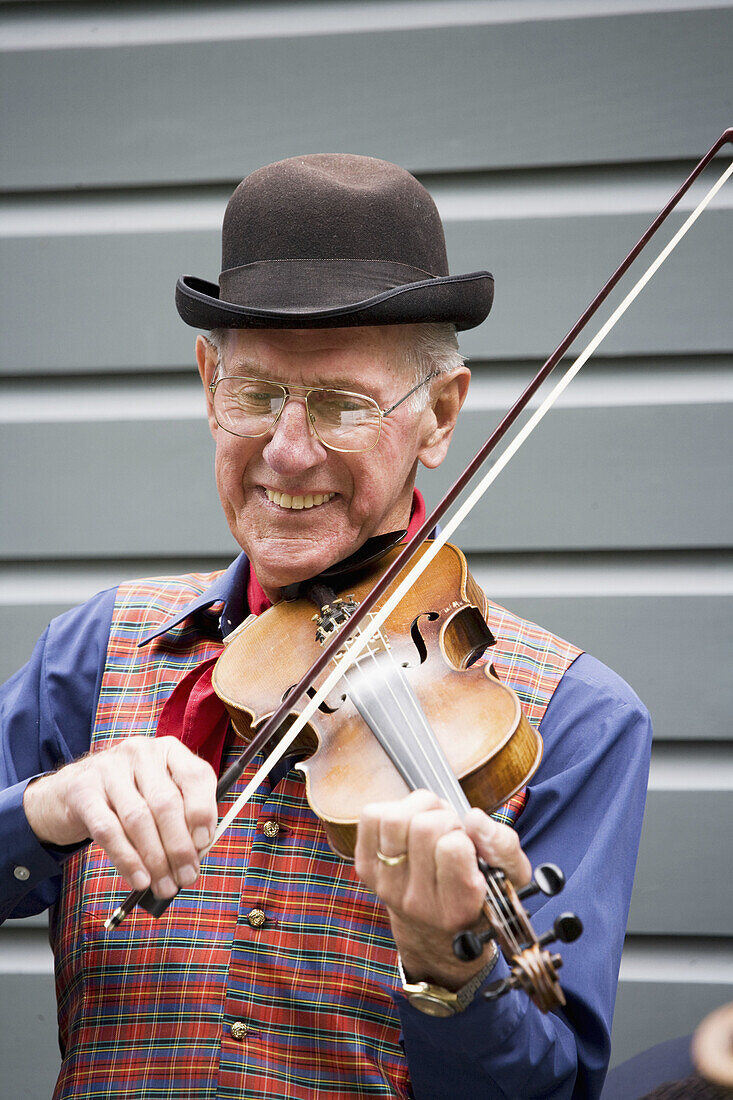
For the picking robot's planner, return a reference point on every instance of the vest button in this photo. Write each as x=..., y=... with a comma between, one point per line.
x=271, y=829
x=239, y=1029
x=256, y=918
x=21, y=873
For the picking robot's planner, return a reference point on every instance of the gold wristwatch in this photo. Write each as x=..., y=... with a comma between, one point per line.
x=435, y=1000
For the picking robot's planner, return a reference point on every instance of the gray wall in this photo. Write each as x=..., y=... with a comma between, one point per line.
x=550, y=134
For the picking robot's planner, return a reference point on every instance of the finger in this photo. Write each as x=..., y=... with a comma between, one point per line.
x=499, y=845
x=138, y=822
x=425, y=830
x=384, y=826
x=165, y=802
x=397, y=820
x=196, y=780
x=410, y=887
x=103, y=826
x=460, y=886
x=419, y=897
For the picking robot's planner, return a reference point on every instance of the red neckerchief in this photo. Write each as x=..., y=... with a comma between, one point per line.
x=193, y=711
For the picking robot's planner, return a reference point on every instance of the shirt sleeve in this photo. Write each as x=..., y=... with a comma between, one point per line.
x=46, y=716
x=584, y=812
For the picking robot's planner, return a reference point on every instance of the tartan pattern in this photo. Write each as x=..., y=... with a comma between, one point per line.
x=146, y=1011
x=510, y=811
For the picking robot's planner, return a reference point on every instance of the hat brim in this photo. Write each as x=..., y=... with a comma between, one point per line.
x=461, y=300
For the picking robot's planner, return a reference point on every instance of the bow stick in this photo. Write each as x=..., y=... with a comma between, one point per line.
x=156, y=907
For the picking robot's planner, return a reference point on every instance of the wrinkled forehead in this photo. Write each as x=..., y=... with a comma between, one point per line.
x=338, y=356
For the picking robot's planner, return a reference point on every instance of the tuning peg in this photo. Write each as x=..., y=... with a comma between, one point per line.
x=547, y=879
x=566, y=928
x=467, y=946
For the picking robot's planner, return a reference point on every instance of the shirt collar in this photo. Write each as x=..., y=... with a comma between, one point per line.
x=228, y=589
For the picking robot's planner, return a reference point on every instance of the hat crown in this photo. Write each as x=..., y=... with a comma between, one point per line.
x=333, y=206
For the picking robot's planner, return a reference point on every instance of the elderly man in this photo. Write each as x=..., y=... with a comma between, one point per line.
x=331, y=370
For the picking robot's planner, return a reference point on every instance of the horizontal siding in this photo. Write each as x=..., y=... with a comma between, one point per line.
x=674, y=893
x=642, y=638
x=666, y=988
x=101, y=298
x=29, y=1048
x=184, y=99
x=583, y=483
x=550, y=135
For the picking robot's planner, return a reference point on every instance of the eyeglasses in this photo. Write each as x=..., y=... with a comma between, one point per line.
x=342, y=421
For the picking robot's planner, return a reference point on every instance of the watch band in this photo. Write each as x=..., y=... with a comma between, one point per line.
x=435, y=1000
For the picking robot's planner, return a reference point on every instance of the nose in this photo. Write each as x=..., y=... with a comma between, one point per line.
x=293, y=446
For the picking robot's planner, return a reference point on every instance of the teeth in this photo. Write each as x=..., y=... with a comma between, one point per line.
x=310, y=500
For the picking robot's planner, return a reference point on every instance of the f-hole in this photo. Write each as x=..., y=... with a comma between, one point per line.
x=417, y=639
x=310, y=692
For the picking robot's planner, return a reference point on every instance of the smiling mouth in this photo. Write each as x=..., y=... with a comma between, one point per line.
x=308, y=500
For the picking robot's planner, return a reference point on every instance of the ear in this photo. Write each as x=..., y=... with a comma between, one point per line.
x=447, y=396
x=206, y=357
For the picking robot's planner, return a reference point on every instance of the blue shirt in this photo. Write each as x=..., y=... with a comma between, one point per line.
x=583, y=812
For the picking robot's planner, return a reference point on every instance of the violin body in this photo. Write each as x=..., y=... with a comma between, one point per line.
x=434, y=637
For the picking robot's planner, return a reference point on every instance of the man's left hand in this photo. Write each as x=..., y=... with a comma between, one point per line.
x=438, y=889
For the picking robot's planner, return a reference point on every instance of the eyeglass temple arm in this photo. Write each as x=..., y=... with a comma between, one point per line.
x=433, y=374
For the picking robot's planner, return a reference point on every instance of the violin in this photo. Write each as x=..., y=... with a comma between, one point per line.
x=458, y=638
x=390, y=727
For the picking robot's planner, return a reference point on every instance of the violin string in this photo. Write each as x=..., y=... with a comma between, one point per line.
x=400, y=749
x=500, y=904
x=451, y=791
x=495, y=897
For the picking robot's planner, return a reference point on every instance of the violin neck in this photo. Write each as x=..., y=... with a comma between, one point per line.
x=382, y=694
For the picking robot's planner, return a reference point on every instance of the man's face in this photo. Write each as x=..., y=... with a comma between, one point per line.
x=364, y=493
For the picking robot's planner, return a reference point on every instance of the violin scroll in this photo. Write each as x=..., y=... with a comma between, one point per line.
x=534, y=970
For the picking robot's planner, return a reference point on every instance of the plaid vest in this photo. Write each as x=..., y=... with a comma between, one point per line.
x=147, y=1011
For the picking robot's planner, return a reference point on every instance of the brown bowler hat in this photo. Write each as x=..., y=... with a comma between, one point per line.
x=330, y=240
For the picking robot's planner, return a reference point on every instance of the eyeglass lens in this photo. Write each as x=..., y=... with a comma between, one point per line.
x=343, y=420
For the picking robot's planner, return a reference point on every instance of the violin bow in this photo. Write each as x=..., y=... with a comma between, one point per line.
x=353, y=649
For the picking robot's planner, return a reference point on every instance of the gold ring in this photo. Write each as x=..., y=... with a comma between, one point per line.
x=392, y=861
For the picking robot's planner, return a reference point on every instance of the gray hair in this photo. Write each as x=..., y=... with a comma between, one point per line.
x=429, y=349
x=217, y=338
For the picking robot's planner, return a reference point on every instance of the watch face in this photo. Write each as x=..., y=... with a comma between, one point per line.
x=431, y=1005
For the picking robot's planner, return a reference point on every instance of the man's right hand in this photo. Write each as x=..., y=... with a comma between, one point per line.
x=150, y=803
